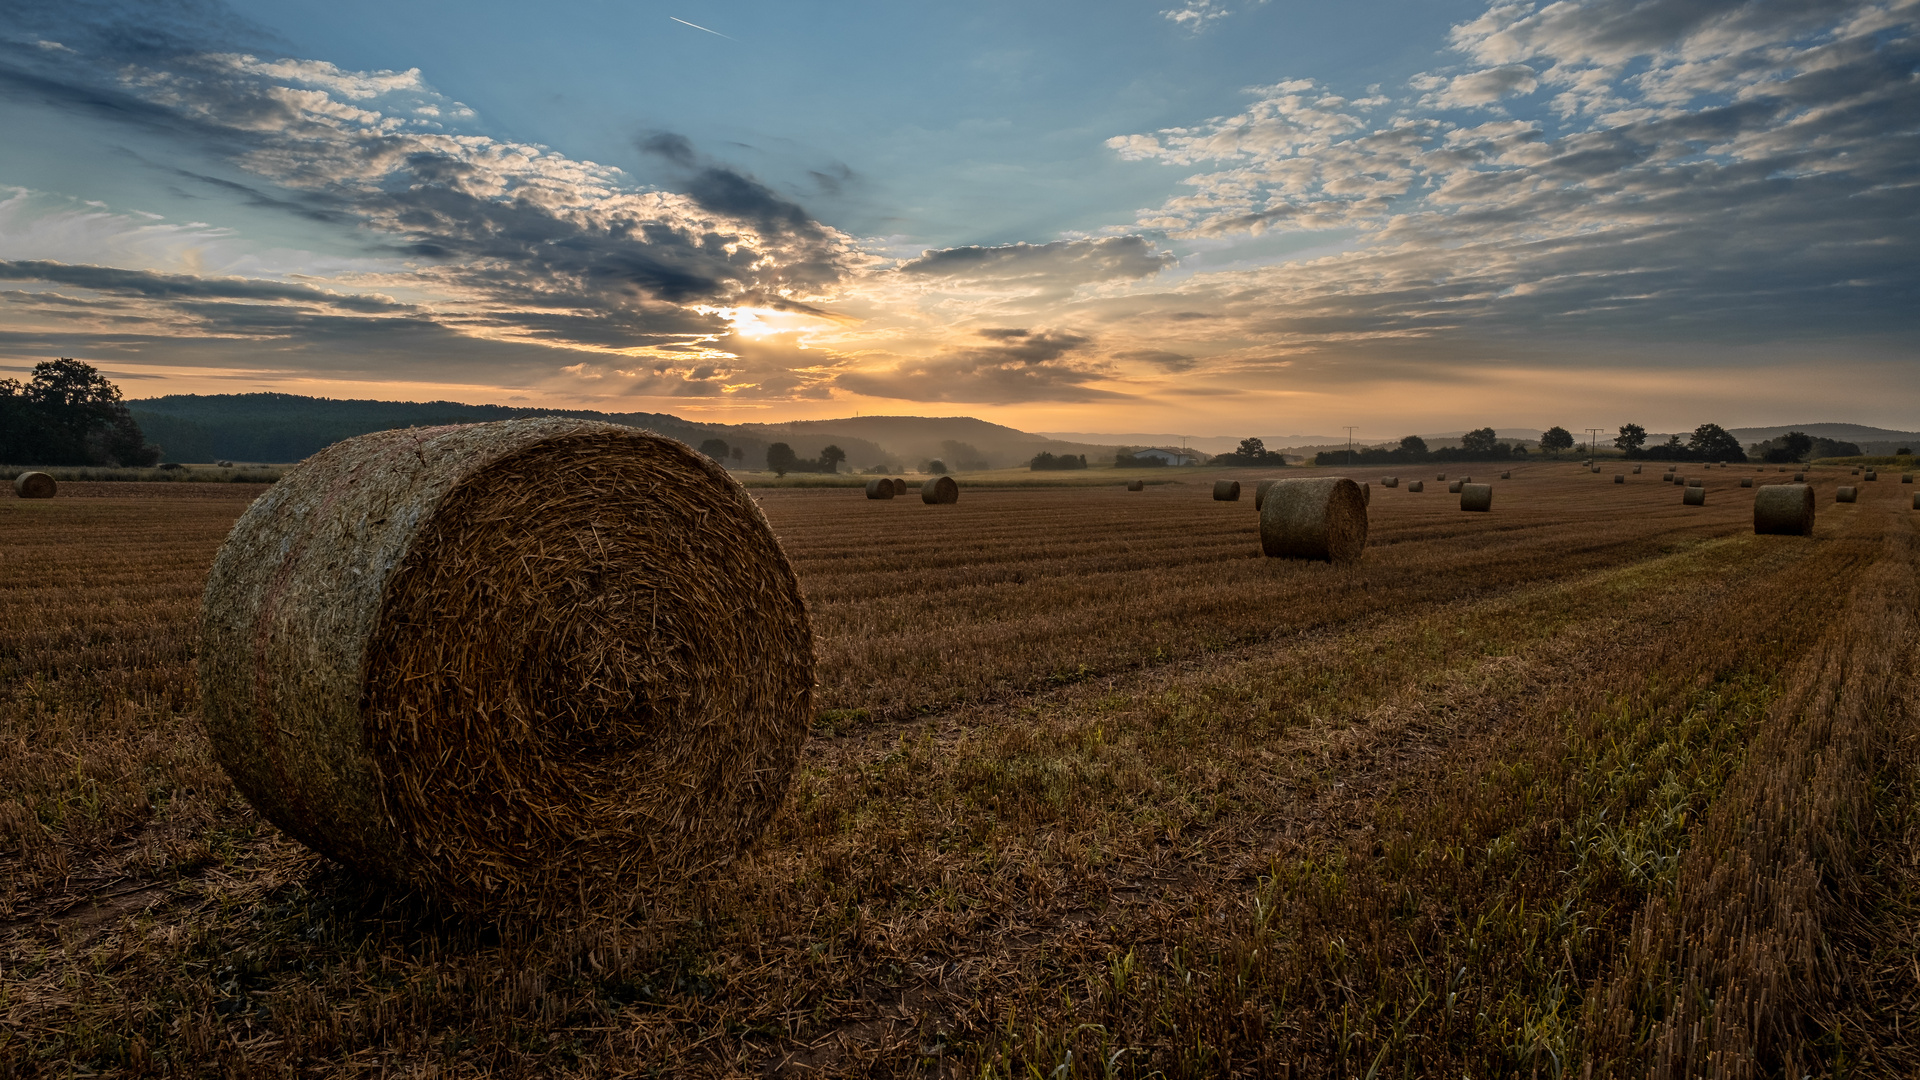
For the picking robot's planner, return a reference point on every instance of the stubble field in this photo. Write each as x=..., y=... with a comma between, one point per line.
x=1594, y=784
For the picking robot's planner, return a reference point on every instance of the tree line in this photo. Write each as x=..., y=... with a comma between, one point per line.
x=67, y=413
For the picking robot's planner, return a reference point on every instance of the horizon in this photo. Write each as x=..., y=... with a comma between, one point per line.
x=1209, y=216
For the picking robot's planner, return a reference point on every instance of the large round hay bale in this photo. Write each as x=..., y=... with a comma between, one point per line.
x=1321, y=517
x=1136, y=485
x=1390, y=481
x=880, y=489
x=1872, y=474
x=34, y=485
x=1226, y=491
x=1508, y=475
x=1366, y=493
x=1417, y=486
x=940, y=491
x=1636, y=470
x=1845, y=494
x=1746, y=481
x=1476, y=497
x=1906, y=478
x=1799, y=477
x=1453, y=487
x=900, y=486
x=1260, y=493
x=1442, y=476
x=530, y=665
x=1695, y=481
x=1694, y=496
x=1783, y=510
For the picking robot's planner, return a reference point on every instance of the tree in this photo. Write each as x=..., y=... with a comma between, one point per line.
x=1797, y=443
x=781, y=458
x=1555, y=439
x=1414, y=446
x=1481, y=441
x=1631, y=438
x=69, y=414
x=1251, y=448
x=714, y=448
x=739, y=455
x=936, y=467
x=1711, y=442
x=830, y=459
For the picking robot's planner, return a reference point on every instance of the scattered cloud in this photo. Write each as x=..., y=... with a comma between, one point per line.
x=1006, y=366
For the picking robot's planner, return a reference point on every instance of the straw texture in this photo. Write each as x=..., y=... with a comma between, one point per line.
x=525, y=666
x=35, y=485
x=880, y=489
x=1783, y=510
x=1478, y=497
x=1321, y=517
x=1226, y=490
x=1845, y=494
x=940, y=491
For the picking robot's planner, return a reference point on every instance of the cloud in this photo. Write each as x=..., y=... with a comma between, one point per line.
x=1063, y=263
x=1484, y=87
x=1012, y=366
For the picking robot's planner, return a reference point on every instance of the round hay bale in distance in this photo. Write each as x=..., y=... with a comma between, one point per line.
x=1799, y=477
x=1366, y=493
x=1390, y=481
x=1694, y=496
x=1636, y=470
x=1593, y=468
x=1695, y=481
x=1619, y=478
x=900, y=486
x=1906, y=478
x=1226, y=491
x=940, y=491
x=1417, y=486
x=35, y=485
x=1453, y=488
x=1321, y=517
x=531, y=666
x=1442, y=476
x=1872, y=474
x=1508, y=475
x=880, y=489
x=1746, y=481
x=1845, y=494
x=1478, y=497
x=1260, y=492
x=1783, y=510
x=1136, y=485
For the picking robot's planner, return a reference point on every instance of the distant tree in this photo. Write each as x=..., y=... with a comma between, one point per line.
x=69, y=414
x=1413, y=446
x=714, y=448
x=1631, y=438
x=1797, y=443
x=739, y=455
x=1044, y=461
x=781, y=458
x=1711, y=442
x=1480, y=441
x=1252, y=451
x=936, y=467
x=1555, y=439
x=1905, y=451
x=830, y=459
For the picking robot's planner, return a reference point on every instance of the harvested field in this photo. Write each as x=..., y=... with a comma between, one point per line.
x=1095, y=789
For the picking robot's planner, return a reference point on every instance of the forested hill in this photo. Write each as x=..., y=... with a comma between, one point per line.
x=289, y=427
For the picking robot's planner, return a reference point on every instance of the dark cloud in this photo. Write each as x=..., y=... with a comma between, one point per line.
x=151, y=285
x=1061, y=264
x=1013, y=366
x=1160, y=358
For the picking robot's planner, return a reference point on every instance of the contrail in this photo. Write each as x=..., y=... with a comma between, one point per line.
x=697, y=26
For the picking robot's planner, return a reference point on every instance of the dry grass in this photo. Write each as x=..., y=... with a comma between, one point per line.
x=1096, y=789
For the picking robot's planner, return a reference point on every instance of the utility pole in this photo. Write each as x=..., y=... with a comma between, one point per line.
x=1593, y=439
x=1350, y=428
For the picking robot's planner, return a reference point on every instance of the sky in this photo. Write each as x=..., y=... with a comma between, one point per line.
x=1205, y=216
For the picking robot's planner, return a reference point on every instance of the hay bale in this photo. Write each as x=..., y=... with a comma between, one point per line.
x=223, y=464
x=1366, y=493
x=34, y=485
x=880, y=489
x=1916, y=500
x=1476, y=497
x=940, y=491
x=1506, y=475
x=1593, y=468
x=1390, y=481
x=1799, y=477
x=1226, y=491
x=1322, y=517
x=1260, y=493
x=1845, y=494
x=527, y=666
x=1746, y=481
x=1906, y=478
x=1619, y=478
x=1783, y=510
x=1442, y=476
x=900, y=486
x=1694, y=481
x=1417, y=486
x=1636, y=470
x=1694, y=496
x=1453, y=488
x=1855, y=472
x=1872, y=474
x=1136, y=485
